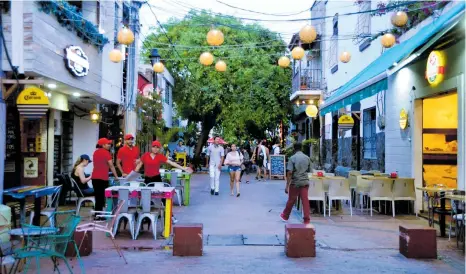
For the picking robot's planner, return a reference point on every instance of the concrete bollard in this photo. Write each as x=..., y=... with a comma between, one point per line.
x=418, y=242
x=300, y=240
x=187, y=240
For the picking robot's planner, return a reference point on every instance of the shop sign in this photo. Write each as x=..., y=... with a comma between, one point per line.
x=403, y=119
x=345, y=122
x=32, y=96
x=31, y=167
x=435, y=69
x=76, y=61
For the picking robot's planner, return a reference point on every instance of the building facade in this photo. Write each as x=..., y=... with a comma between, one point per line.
x=69, y=64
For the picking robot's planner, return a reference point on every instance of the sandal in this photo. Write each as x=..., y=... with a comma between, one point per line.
x=237, y=195
x=247, y=182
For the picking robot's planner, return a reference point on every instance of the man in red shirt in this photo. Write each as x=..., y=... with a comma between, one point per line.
x=103, y=162
x=128, y=156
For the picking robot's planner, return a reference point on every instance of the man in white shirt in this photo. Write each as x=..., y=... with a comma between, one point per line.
x=276, y=148
x=215, y=156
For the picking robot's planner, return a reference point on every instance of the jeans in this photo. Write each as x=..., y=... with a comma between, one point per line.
x=214, y=173
x=293, y=194
x=99, y=191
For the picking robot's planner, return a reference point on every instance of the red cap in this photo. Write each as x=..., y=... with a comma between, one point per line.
x=129, y=136
x=156, y=144
x=104, y=141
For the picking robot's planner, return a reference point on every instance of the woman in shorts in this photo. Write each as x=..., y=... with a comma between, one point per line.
x=234, y=159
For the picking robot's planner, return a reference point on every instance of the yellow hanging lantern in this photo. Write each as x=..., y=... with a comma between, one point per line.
x=115, y=55
x=95, y=116
x=399, y=19
x=206, y=59
x=388, y=40
x=311, y=111
x=345, y=57
x=215, y=37
x=307, y=34
x=220, y=66
x=297, y=53
x=284, y=62
x=125, y=36
x=158, y=67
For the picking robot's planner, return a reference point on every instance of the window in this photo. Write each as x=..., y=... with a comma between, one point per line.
x=333, y=52
x=363, y=27
x=369, y=133
x=168, y=91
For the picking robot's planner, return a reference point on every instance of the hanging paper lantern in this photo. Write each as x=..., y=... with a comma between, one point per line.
x=158, y=67
x=220, y=66
x=388, y=40
x=308, y=34
x=345, y=57
x=206, y=59
x=297, y=53
x=115, y=55
x=125, y=36
x=284, y=62
x=399, y=19
x=311, y=111
x=215, y=37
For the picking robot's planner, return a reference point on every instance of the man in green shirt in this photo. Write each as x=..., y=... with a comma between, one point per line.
x=297, y=183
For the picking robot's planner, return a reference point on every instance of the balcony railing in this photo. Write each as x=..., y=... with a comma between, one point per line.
x=308, y=79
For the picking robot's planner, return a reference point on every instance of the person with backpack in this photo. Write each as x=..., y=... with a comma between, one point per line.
x=260, y=159
x=234, y=160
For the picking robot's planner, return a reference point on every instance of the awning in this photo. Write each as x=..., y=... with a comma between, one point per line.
x=32, y=103
x=373, y=78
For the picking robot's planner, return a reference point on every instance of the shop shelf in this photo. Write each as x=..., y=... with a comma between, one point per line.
x=446, y=131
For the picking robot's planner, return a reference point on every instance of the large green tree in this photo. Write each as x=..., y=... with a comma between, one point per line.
x=252, y=96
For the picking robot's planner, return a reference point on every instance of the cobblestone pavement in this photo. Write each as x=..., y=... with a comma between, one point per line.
x=240, y=234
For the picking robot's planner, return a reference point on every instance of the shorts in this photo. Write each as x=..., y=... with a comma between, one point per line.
x=234, y=168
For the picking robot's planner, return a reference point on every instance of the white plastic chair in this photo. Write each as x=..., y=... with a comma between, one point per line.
x=99, y=226
x=52, y=206
x=316, y=191
x=403, y=190
x=147, y=212
x=363, y=187
x=125, y=212
x=382, y=190
x=178, y=187
x=339, y=190
x=81, y=197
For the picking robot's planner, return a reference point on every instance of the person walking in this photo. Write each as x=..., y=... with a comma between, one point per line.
x=297, y=183
x=215, y=156
x=276, y=148
x=103, y=162
x=128, y=156
x=152, y=161
x=78, y=175
x=234, y=160
x=246, y=164
x=260, y=157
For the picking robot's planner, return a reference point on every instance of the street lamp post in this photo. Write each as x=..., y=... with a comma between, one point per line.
x=154, y=58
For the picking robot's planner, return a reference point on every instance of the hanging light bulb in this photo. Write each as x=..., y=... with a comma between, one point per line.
x=388, y=40
x=284, y=62
x=215, y=37
x=158, y=67
x=206, y=58
x=308, y=34
x=95, y=115
x=311, y=102
x=297, y=53
x=220, y=66
x=311, y=111
x=115, y=55
x=399, y=19
x=345, y=57
x=125, y=36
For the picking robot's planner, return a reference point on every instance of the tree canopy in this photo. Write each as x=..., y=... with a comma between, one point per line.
x=252, y=96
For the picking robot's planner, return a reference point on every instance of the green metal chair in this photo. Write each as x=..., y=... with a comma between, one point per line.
x=41, y=242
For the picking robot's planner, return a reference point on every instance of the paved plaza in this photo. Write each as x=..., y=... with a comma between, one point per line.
x=245, y=235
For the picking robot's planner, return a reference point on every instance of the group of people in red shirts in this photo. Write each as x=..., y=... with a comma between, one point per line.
x=128, y=159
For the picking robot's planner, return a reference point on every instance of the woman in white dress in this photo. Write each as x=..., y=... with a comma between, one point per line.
x=234, y=159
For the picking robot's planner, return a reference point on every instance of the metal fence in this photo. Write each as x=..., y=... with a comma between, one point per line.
x=306, y=79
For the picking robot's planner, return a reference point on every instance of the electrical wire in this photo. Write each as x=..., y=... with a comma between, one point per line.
x=264, y=13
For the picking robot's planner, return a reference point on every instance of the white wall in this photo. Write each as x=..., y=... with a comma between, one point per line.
x=85, y=136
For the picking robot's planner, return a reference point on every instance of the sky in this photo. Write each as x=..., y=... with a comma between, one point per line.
x=164, y=9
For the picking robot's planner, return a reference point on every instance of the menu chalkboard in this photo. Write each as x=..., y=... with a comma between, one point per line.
x=277, y=166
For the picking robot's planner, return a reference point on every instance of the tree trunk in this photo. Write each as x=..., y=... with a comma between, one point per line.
x=207, y=125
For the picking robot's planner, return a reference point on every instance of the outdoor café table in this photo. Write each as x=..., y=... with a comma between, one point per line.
x=185, y=177
x=157, y=193
x=21, y=192
x=441, y=191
